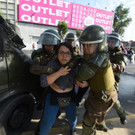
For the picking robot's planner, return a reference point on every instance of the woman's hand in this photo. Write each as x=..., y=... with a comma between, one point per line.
x=83, y=84
x=54, y=76
x=64, y=71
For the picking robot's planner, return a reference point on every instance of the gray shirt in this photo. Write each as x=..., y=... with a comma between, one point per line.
x=64, y=81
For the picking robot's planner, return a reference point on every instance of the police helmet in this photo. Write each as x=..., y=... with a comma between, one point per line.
x=116, y=37
x=94, y=34
x=70, y=36
x=49, y=37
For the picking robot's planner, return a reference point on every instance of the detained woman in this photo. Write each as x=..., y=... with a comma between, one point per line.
x=62, y=93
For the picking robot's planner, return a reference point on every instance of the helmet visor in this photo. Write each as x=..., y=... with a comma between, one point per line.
x=47, y=39
x=112, y=42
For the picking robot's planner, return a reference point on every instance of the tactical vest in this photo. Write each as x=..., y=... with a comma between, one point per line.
x=117, y=58
x=103, y=80
x=41, y=57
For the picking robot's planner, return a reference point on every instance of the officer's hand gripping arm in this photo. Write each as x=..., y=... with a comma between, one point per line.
x=74, y=62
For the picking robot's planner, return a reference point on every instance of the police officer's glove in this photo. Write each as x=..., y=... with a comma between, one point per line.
x=74, y=62
x=117, y=68
x=84, y=73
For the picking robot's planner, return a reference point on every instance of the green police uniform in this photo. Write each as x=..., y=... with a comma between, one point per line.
x=102, y=96
x=41, y=56
x=40, y=59
x=119, y=61
x=96, y=69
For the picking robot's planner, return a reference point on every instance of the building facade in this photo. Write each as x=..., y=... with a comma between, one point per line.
x=29, y=32
x=35, y=16
x=8, y=8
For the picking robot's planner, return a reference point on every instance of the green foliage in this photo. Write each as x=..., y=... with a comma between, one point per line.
x=121, y=19
x=62, y=28
x=1, y=14
x=78, y=32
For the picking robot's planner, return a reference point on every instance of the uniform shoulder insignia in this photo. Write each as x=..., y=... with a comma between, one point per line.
x=99, y=59
x=36, y=52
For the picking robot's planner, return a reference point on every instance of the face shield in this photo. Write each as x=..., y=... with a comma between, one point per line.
x=47, y=39
x=71, y=42
x=89, y=49
x=112, y=43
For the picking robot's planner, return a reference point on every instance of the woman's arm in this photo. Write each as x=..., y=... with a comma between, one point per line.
x=46, y=80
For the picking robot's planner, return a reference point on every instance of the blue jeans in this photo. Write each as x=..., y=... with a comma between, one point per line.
x=50, y=113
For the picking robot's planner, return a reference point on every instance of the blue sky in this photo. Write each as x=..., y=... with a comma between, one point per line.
x=110, y=5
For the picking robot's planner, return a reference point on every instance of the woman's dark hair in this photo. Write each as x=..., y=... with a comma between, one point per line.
x=66, y=45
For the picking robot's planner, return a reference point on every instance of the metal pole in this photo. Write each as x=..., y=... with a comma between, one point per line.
x=6, y=9
x=16, y=13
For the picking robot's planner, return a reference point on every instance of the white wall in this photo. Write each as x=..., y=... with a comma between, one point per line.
x=30, y=33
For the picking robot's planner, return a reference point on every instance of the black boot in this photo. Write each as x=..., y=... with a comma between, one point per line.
x=120, y=111
x=123, y=121
x=102, y=126
x=37, y=129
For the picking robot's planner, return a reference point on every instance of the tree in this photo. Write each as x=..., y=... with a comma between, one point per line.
x=62, y=28
x=78, y=32
x=121, y=19
x=1, y=14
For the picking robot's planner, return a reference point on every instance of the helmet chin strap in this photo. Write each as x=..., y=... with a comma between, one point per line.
x=49, y=52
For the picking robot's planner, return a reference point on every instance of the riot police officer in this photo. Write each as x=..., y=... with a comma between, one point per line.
x=70, y=38
x=96, y=70
x=119, y=61
x=49, y=40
